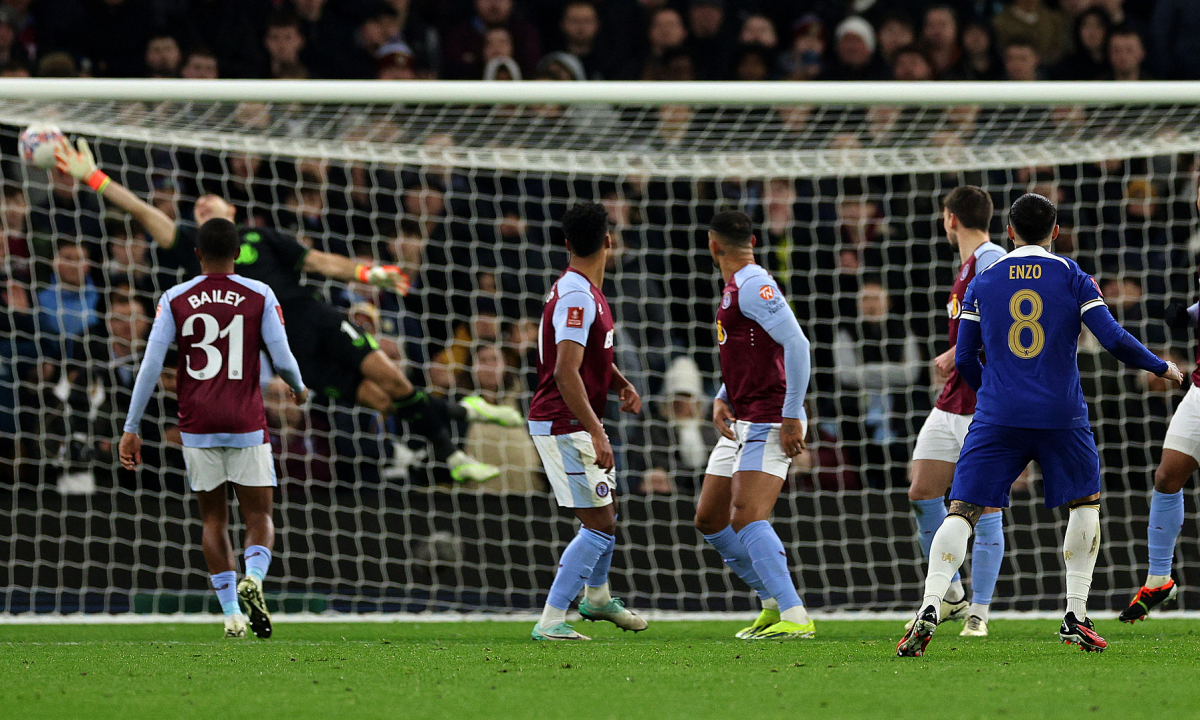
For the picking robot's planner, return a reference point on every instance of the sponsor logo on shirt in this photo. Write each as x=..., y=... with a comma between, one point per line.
x=608, y=340
x=279, y=309
x=158, y=310
x=954, y=307
x=575, y=317
x=766, y=292
x=721, y=337
x=727, y=300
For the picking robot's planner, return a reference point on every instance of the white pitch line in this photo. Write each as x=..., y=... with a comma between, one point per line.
x=522, y=617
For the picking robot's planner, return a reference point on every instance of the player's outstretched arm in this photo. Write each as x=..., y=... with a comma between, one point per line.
x=1124, y=346
x=340, y=267
x=79, y=164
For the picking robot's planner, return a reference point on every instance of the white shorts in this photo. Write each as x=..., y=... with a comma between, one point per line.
x=1183, y=434
x=758, y=449
x=570, y=462
x=209, y=468
x=942, y=436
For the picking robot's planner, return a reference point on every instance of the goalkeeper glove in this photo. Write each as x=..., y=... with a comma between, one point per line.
x=80, y=164
x=1177, y=316
x=388, y=277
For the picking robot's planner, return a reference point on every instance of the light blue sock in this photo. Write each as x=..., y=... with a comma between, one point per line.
x=986, y=556
x=1166, y=520
x=929, y=515
x=225, y=584
x=734, y=553
x=765, y=549
x=599, y=574
x=576, y=566
x=258, y=561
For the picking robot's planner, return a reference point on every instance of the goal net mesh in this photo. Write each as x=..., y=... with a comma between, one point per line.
x=466, y=198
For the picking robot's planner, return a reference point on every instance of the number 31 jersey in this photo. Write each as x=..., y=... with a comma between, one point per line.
x=220, y=324
x=1030, y=304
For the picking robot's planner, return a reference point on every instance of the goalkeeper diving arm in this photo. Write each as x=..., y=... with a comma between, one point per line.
x=79, y=163
x=340, y=267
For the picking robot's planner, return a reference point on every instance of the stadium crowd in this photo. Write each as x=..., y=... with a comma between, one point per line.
x=862, y=258
x=603, y=39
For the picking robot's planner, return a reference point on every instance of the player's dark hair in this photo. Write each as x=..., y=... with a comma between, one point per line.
x=1032, y=218
x=733, y=228
x=971, y=205
x=218, y=240
x=585, y=225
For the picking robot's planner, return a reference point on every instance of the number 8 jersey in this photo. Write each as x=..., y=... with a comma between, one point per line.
x=1030, y=306
x=221, y=323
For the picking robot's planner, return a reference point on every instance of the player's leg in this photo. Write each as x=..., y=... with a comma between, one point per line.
x=409, y=402
x=570, y=463
x=206, y=476
x=714, y=510
x=425, y=416
x=1180, y=459
x=930, y=474
x=758, y=477
x=987, y=555
x=251, y=470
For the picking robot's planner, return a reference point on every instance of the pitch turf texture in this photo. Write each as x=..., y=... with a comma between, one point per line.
x=692, y=670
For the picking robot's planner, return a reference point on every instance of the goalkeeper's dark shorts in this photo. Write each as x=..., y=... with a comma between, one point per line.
x=329, y=349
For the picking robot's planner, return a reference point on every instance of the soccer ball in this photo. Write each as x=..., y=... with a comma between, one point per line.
x=37, y=144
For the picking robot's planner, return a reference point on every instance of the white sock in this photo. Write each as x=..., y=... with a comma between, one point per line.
x=1157, y=581
x=458, y=457
x=795, y=614
x=945, y=557
x=599, y=596
x=979, y=611
x=1081, y=545
x=769, y=604
x=552, y=616
x=956, y=592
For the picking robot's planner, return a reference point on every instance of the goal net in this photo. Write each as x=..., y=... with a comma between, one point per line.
x=463, y=184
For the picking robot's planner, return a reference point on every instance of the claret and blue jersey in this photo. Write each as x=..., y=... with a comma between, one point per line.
x=1027, y=309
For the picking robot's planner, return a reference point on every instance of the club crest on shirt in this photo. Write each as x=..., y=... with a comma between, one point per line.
x=962, y=274
x=727, y=300
x=766, y=292
x=602, y=490
x=574, y=317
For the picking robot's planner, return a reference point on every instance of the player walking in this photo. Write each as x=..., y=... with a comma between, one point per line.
x=760, y=414
x=221, y=322
x=341, y=360
x=1180, y=459
x=1026, y=309
x=966, y=215
x=575, y=374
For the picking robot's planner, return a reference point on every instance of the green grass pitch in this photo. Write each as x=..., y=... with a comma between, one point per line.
x=691, y=670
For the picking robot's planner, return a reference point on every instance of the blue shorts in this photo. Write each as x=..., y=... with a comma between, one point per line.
x=993, y=456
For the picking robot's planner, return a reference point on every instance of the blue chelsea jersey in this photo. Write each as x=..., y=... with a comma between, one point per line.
x=1030, y=305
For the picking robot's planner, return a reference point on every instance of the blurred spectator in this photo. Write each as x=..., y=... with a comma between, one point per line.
x=302, y=455
x=759, y=30
x=1125, y=55
x=200, y=64
x=911, y=64
x=12, y=50
x=163, y=56
x=580, y=28
x=752, y=62
x=1175, y=28
x=421, y=37
x=14, y=235
x=284, y=41
x=680, y=435
x=67, y=305
x=939, y=41
x=709, y=41
x=502, y=68
x=15, y=68
x=1022, y=62
x=895, y=33
x=805, y=59
x=666, y=33
x=231, y=29
x=57, y=65
x=462, y=55
x=980, y=59
x=394, y=61
x=497, y=43
x=379, y=24
x=510, y=449
x=328, y=30
x=1031, y=21
x=560, y=66
x=855, y=52
x=1089, y=61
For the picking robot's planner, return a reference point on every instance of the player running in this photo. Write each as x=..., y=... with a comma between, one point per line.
x=760, y=414
x=221, y=322
x=1026, y=309
x=341, y=360
x=575, y=374
x=1180, y=459
x=966, y=215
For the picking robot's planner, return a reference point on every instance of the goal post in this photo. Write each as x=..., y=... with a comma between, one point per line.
x=463, y=184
